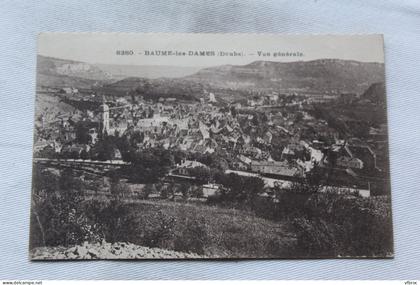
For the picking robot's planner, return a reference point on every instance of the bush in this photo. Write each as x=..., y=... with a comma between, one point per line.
x=147, y=190
x=58, y=215
x=193, y=235
x=116, y=220
x=338, y=225
x=315, y=237
x=158, y=230
x=196, y=191
x=184, y=189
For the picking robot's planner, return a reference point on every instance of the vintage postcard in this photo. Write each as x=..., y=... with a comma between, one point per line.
x=210, y=146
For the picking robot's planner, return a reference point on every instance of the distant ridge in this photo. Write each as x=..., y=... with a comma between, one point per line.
x=328, y=76
x=322, y=75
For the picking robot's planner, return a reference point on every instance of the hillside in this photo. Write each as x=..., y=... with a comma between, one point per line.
x=148, y=71
x=155, y=88
x=318, y=75
x=54, y=72
x=375, y=93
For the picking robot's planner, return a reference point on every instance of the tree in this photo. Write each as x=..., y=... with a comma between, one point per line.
x=184, y=188
x=254, y=186
x=240, y=188
x=147, y=190
x=201, y=174
x=117, y=189
x=309, y=184
x=150, y=165
x=82, y=133
x=104, y=149
x=299, y=117
x=233, y=111
x=84, y=154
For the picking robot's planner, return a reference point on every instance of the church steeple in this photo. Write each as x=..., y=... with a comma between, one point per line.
x=104, y=119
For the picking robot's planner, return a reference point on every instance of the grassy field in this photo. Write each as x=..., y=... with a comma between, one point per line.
x=211, y=231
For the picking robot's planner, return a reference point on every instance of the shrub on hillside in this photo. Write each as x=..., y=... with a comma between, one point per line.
x=158, y=230
x=58, y=216
x=338, y=225
x=192, y=236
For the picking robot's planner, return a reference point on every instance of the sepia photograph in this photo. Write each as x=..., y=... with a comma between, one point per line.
x=210, y=146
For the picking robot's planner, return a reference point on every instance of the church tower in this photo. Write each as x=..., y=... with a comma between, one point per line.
x=104, y=118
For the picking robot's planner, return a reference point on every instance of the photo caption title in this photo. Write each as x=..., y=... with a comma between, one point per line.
x=209, y=53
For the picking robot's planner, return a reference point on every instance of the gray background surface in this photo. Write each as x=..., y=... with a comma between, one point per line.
x=20, y=21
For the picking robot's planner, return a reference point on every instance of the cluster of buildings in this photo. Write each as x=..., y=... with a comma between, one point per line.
x=265, y=135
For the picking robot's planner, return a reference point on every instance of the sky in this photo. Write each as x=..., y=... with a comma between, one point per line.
x=138, y=49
